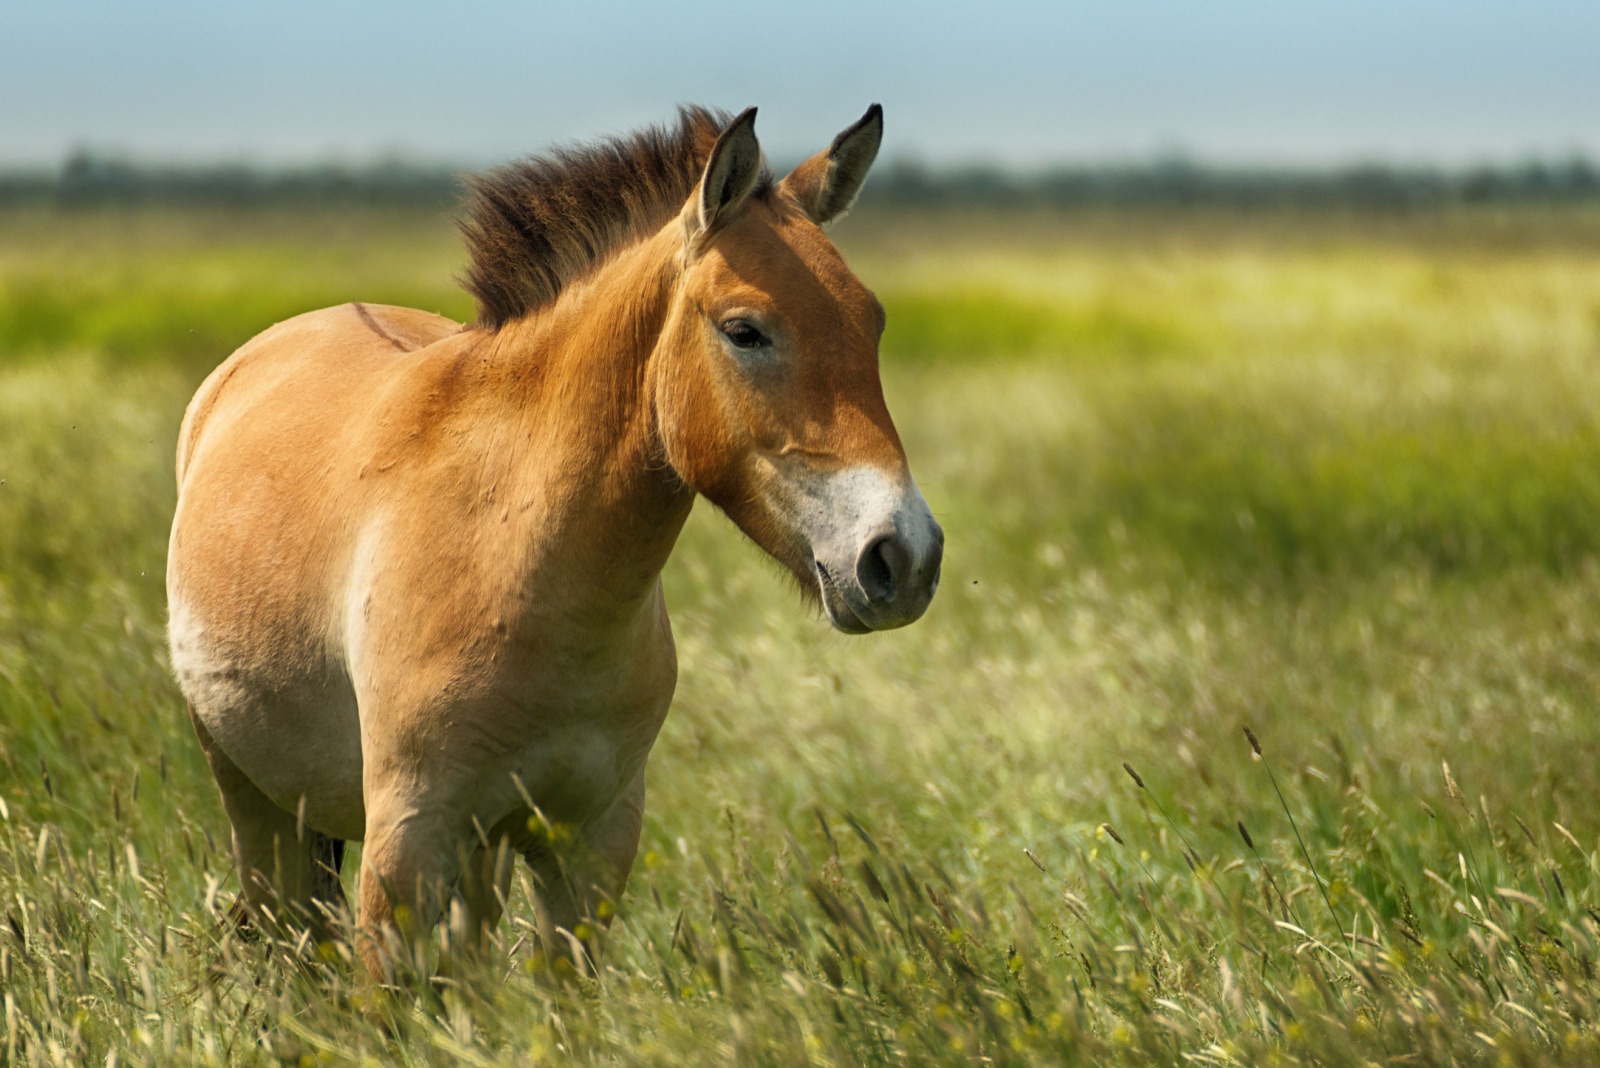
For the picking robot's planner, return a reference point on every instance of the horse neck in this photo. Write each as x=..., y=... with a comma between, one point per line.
x=579, y=377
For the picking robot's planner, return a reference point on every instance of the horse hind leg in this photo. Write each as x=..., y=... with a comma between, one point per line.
x=326, y=911
x=288, y=873
x=327, y=888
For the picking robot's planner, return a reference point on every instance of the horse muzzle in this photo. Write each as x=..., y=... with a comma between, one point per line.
x=879, y=569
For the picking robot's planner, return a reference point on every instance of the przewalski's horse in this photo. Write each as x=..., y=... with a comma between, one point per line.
x=414, y=575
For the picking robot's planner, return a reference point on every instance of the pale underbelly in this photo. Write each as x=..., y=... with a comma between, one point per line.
x=299, y=741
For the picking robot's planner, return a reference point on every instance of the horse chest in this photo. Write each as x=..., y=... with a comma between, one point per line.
x=527, y=711
x=579, y=734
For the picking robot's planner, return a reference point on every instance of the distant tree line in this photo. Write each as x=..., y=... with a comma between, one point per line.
x=1183, y=183
x=88, y=179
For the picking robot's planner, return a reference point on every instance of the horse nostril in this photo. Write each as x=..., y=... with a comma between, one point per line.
x=882, y=568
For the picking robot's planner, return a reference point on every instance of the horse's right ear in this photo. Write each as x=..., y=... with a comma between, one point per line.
x=730, y=174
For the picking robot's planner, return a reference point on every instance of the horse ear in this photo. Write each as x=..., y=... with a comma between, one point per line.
x=730, y=175
x=826, y=184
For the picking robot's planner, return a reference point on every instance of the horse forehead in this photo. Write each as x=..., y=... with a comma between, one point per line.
x=790, y=258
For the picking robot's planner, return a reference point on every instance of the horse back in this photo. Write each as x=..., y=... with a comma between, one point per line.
x=321, y=351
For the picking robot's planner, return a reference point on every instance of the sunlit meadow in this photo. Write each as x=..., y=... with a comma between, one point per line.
x=1332, y=477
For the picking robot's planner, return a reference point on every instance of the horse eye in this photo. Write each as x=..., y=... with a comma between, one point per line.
x=742, y=334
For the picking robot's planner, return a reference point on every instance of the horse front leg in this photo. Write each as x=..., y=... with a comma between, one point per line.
x=580, y=875
x=482, y=892
x=409, y=868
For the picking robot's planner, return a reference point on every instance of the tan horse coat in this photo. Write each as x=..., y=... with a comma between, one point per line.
x=414, y=571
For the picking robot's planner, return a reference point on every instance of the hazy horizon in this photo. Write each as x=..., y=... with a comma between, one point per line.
x=1023, y=85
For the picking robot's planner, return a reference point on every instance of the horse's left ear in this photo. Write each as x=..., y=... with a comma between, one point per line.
x=826, y=184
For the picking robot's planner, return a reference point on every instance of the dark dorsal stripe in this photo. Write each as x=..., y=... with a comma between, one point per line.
x=377, y=327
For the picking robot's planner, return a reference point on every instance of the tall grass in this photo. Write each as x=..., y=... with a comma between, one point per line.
x=1338, y=502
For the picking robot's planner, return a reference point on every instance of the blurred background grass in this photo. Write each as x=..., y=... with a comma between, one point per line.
x=1333, y=473
x=1263, y=392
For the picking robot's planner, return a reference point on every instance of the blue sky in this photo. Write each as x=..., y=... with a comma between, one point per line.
x=1016, y=81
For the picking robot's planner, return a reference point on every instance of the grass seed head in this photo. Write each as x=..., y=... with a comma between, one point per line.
x=1112, y=831
x=1450, y=786
x=1134, y=775
x=1254, y=744
x=1245, y=834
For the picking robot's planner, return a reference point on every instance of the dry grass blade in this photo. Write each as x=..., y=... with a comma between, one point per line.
x=1316, y=876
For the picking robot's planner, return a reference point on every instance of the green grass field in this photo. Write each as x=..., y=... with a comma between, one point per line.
x=1336, y=478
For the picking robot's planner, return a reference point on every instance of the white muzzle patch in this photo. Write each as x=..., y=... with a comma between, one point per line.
x=876, y=549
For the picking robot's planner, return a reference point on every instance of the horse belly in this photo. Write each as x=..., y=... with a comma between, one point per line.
x=296, y=736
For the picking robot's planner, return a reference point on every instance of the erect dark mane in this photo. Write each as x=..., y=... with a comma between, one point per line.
x=535, y=225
